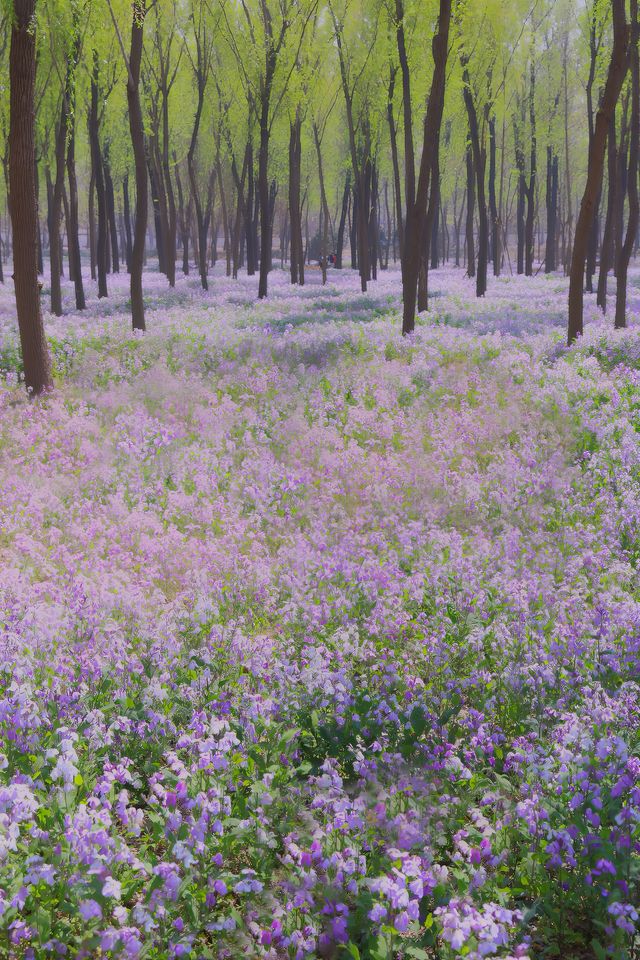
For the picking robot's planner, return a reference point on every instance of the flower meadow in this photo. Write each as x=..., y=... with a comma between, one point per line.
x=317, y=641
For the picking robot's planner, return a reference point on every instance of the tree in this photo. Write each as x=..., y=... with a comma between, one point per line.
x=22, y=192
x=417, y=212
x=615, y=78
x=624, y=255
x=352, y=73
x=98, y=177
x=201, y=63
x=133, y=63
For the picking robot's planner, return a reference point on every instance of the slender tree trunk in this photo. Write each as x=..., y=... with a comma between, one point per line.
x=343, y=219
x=249, y=231
x=92, y=226
x=67, y=232
x=40, y=257
x=407, y=107
x=594, y=226
x=73, y=232
x=136, y=127
x=324, y=234
x=433, y=216
x=360, y=219
x=372, y=217
x=395, y=161
x=22, y=193
x=531, y=188
x=479, y=162
x=615, y=79
x=263, y=191
x=389, y=226
x=160, y=207
x=471, y=203
x=496, y=252
x=127, y=221
x=606, y=247
x=353, y=229
x=431, y=220
x=295, y=216
x=170, y=252
x=550, y=260
x=55, y=242
x=417, y=211
x=632, y=177
x=237, y=229
x=502, y=233
x=225, y=216
x=98, y=175
x=184, y=217
x=111, y=217
x=567, y=157
x=621, y=186
x=457, y=225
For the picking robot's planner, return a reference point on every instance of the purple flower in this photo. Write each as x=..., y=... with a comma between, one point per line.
x=90, y=910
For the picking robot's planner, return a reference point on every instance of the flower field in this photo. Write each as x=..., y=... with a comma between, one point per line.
x=317, y=641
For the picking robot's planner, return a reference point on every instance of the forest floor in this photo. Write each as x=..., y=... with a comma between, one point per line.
x=318, y=641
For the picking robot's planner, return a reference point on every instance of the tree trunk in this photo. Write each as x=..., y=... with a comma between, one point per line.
x=360, y=218
x=73, y=232
x=159, y=201
x=98, y=175
x=324, y=233
x=417, y=211
x=40, y=257
x=343, y=219
x=127, y=221
x=65, y=207
x=296, y=262
x=407, y=107
x=136, y=127
x=471, y=203
x=432, y=218
x=621, y=186
x=479, y=162
x=632, y=178
x=389, y=226
x=550, y=263
x=567, y=158
x=353, y=229
x=496, y=252
x=263, y=191
x=394, y=158
x=531, y=188
x=225, y=216
x=22, y=192
x=606, y=247
x=615, y=78
x=92, y=226
x=170, y=252
x=55, y=241
x=433, y=215
x=184, y=216
x=594, y=226
x=111, y=216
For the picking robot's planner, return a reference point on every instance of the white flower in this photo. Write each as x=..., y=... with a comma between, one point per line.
x=112, y=888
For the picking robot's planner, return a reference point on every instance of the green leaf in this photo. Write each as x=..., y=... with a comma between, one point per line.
x=418, y=721
x=290, y=735
x=450, y=712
